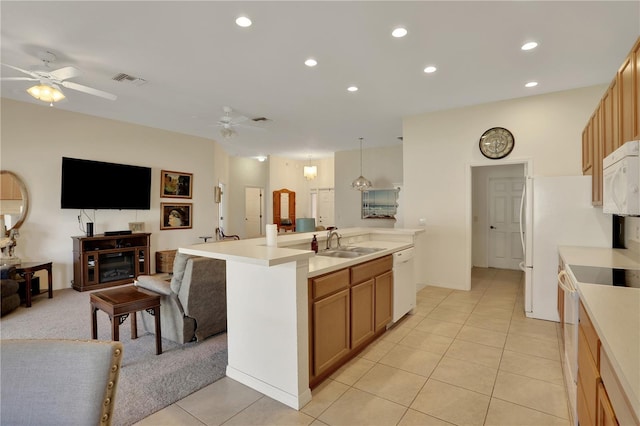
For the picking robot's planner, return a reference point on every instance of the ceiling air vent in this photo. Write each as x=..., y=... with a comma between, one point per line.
x=122, y=77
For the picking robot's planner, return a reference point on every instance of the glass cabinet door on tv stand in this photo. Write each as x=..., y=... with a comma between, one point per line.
x=107, y=261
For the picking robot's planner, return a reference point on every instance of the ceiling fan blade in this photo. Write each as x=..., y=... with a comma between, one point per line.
x=88, y=90
x=239, y=119
x=65, y=73
x=32, y=74
x=19, y=79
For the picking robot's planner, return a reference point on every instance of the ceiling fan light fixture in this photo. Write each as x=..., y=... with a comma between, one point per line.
x=45, y=93
x=227, y=132
x=361, y=183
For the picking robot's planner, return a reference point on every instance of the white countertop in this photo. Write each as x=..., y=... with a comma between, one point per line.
x=614, y=312
x=600, y=256
x=292, y=247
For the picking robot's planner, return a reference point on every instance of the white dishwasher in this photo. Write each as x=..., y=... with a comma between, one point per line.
x=404, y=283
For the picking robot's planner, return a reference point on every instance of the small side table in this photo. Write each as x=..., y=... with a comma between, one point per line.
x=27, y=269
x=118, y=303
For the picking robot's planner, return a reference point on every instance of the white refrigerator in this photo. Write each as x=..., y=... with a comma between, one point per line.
x=556, y=211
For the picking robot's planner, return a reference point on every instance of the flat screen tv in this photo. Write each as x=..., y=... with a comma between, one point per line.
x=95, y=185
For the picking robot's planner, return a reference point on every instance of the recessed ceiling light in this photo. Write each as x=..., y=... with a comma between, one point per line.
x=399, y=32
x=311, y=62
x=530, y=45
x=531, y=84
x=243, y=21
x=261, y=158
x=430, y=69
x=352, y=88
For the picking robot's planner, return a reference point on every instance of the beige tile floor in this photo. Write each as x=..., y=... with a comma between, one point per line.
x=463, y=358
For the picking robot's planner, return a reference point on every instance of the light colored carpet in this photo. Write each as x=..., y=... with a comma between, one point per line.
x=148, y=382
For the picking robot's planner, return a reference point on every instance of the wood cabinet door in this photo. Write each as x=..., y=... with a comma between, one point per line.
x=588, y=375
x=635, y=54
x=610, y=119
x=384, y=300
x=605, y=414
x=586, y=150
x=362, y=313
x=331, y=327
x=596, y=182
x=627, y=113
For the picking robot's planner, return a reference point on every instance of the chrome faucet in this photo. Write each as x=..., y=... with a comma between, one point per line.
x=330, y=235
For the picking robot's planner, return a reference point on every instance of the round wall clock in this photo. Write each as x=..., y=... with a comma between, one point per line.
x=496, y=143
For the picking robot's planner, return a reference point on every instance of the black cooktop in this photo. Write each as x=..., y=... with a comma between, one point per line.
x=606, y=276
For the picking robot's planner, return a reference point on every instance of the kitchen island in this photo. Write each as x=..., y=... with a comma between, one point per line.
x=267, y=303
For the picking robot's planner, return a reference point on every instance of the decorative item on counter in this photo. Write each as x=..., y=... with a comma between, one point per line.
x=314, y=244
x=272, y=235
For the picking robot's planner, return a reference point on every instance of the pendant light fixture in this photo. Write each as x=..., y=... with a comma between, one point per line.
x=310, y=172
x=361, y=183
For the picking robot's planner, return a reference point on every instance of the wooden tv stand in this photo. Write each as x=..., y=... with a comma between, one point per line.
x=108, y=261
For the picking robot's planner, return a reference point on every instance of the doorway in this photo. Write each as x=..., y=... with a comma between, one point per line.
x=253, y=212
x=496, y=192
x=322, y=206
x=505, y=246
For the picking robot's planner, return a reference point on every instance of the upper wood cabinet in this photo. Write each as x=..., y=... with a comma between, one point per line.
x=610, y=114
x=587, y=152
x=627, y=113
x=635, y=52
x=615, y=121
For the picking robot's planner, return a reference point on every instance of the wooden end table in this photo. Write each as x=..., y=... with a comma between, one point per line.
x=118, y=303
x=27, y=269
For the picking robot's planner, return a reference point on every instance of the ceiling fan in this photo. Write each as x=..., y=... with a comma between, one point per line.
x=227, y=122
x=48, y=89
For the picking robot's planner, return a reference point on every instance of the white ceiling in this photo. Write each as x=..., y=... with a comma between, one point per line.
x=196, y=60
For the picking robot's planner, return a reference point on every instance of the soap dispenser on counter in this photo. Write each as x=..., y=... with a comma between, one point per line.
x=314, y=244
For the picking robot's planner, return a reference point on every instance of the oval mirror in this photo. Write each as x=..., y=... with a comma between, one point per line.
x=14, y=201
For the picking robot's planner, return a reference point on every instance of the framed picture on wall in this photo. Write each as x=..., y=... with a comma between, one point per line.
x=175, y=215
x=176, y=184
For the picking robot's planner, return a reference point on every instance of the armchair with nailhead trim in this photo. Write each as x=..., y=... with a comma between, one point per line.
x=58, y=382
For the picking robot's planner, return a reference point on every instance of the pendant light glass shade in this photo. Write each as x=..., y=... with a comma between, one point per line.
x=361, y=183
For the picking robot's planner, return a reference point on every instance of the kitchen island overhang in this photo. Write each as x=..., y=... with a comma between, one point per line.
x=267, y=304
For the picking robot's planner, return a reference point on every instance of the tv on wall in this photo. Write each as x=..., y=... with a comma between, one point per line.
x=96, y=185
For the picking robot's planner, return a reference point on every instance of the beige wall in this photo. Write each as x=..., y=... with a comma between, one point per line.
x=288, y=173
x=440, y=147
x=382, y=166
x=35, y=138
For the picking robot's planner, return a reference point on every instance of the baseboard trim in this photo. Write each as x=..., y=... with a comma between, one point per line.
x=293, y=401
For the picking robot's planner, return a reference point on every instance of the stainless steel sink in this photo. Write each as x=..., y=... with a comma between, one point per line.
x=362, y=250
x=340, y=253
x=348, y=252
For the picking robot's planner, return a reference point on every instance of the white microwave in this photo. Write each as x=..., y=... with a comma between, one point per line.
x=621, y=180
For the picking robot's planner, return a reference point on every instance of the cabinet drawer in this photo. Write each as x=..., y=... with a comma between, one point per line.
x=588, y=375
x=590, y=334
x=368, y=270
x=330, y=283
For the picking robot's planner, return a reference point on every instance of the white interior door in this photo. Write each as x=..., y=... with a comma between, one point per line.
x=325, y=207
x=505, y=247
x=253, y=206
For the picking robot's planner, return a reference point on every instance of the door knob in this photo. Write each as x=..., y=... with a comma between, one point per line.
x=492, y=227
